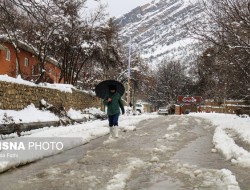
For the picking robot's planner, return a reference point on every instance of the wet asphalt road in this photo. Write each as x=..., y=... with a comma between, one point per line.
x=173, y=152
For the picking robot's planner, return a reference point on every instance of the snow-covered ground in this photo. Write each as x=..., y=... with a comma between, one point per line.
x=31, y=114
x=153, y=156
x=231, y=139
x=231, y=129
x=27, y=115
x=44, y=142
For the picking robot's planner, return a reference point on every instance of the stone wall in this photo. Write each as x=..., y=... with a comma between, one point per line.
x=229, y=106
x=18, y=96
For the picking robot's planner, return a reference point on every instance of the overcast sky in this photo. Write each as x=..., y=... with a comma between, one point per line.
x=119, y=7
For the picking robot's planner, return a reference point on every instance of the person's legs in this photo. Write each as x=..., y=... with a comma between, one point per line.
x=115, y=119
x=111, y=120
x=111, y=124
x=115, y=122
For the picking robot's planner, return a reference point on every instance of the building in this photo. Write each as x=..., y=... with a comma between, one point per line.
x=187, y=104
x=28, y=63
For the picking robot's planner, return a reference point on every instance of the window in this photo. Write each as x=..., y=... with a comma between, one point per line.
x=26, y=62
x=50, y=71
x=8, y=55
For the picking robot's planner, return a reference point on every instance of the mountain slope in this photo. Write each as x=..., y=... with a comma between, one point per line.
x=158, y=31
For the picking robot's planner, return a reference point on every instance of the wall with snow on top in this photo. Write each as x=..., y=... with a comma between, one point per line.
x=18, y=94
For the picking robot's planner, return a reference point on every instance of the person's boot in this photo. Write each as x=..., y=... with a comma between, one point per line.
x=111, y=132
x=116, y=131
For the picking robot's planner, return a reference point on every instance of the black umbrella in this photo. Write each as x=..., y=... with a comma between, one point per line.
x=102, y=89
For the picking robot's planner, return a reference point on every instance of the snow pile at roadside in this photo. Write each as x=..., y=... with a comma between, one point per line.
x=88, y=113
x=94, y=111
x=231, y=128
x=203, y=178
x=70, y=136
x=74, y=114
x=31, y=114
x=28, y=115
x=77, y=114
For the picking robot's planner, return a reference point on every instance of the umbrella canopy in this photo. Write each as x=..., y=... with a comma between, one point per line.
x=102, y=89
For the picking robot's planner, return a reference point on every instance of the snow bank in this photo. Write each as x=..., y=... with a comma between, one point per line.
x=28, y=115
x=89, y=113
x=230, y=128
x=207, y=178
x=75, y=114
x=93, y=111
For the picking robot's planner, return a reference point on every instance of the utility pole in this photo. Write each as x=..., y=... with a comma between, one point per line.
x=129, y=72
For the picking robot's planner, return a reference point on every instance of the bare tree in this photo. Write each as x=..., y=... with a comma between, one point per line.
x=108, y=53
x=44, y=24
x=72, y=48
x=106, y=58
x=11, y=21
x=58, y=29
x=171, y=80
x=227, y=31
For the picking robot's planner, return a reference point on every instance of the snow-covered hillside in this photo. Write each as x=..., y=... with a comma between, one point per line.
x=158, y=29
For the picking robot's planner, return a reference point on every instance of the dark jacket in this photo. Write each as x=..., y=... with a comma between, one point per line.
x=115, y=105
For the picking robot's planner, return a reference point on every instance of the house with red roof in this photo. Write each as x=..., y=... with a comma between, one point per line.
x=28, y=63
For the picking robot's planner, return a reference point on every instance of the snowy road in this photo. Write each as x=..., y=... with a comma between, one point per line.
x=172, y=152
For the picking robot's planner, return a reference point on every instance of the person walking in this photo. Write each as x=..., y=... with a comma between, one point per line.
x=114, y=104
